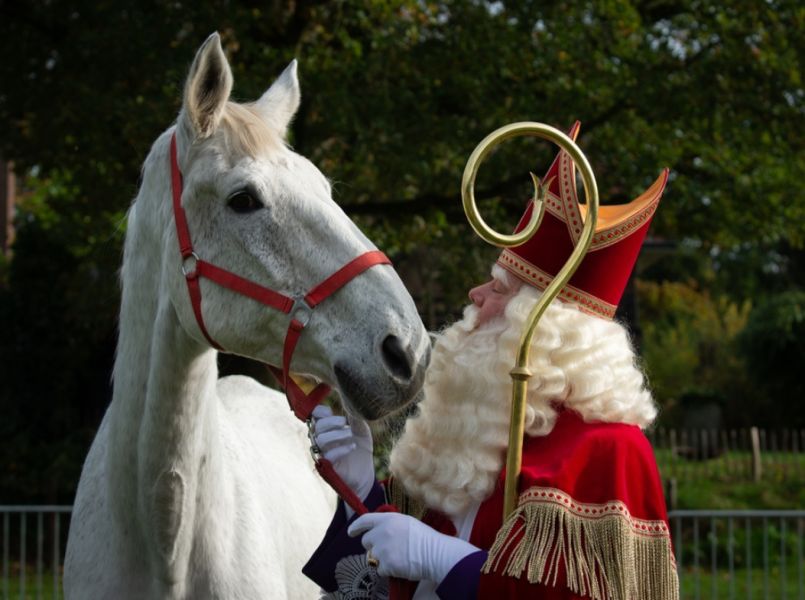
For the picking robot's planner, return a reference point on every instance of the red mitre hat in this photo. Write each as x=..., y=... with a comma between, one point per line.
x=599, y=282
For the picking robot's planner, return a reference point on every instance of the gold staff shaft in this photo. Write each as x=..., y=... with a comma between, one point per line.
x=520, y=374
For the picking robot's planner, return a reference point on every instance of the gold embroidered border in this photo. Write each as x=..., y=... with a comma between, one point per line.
x=540, y=279
x=606, y=553
x=570, y=199
x=567, y=209
x=595, y=511
x=553, y=204
x=613, y=235
x=565, y=206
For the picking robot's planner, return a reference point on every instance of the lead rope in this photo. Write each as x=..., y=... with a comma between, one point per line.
x=301, y=310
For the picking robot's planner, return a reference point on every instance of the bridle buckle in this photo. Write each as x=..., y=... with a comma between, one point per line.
x=301, y=311
x=192, y=272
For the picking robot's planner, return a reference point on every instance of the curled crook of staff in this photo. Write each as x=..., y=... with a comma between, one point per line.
x=521, y=373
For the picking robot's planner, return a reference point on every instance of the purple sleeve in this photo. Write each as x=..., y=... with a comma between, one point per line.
x=461, y=583
x=337, y=544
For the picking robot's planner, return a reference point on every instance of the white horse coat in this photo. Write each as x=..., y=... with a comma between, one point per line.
x=203, y=488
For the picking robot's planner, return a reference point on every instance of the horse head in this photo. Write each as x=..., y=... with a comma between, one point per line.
x=260, y=210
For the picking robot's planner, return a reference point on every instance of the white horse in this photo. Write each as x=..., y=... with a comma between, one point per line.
x=197, y=487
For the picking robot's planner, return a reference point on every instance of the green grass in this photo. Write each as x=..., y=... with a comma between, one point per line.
x=721, y=495
x=733, y=466
x=723, y=586
x=31, y=585
x=725, y=482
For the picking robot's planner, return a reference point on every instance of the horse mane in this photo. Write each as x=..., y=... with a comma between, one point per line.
x=246, y=132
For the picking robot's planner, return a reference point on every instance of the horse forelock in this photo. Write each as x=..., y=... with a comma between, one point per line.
x=245, y=132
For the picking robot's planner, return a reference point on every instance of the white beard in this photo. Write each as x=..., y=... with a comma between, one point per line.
x=450, y=455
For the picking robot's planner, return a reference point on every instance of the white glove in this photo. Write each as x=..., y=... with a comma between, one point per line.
x=348, y=445
x=407, y=548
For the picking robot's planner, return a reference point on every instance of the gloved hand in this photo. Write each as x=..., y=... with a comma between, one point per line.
x=407, y=548
x=348, y=445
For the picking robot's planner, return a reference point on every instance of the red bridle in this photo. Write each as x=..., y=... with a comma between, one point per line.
x=300, y=310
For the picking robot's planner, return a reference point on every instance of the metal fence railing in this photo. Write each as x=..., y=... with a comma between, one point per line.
x=720, y=554
x=744, y=554
x=34, y=539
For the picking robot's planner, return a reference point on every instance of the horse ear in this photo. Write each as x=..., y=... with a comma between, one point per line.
x=207, y=88
x=281, y=101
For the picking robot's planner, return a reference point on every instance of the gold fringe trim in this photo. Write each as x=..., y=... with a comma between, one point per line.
x=607, y=553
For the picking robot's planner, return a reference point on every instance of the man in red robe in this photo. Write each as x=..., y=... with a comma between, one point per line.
x=590, y=520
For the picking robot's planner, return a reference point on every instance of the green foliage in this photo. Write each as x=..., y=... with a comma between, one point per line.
x=776, y=332
x=772, y=345
x=58, y=318
x=396, y=95
x=704, y=341
x=689, y=343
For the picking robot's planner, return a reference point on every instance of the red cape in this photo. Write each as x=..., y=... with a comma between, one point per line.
x=590, y=523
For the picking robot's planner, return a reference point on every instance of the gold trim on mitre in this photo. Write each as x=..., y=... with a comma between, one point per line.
x=540, y=279
x=615, y=221
x=607, y=553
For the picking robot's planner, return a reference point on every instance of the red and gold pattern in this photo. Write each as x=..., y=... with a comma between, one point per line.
x=539, y=278
x=613, y=508
x=598, y=284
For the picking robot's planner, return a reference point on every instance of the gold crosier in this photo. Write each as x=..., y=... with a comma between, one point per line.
x=520, y=374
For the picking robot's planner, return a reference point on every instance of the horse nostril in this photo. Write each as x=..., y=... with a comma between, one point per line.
x=396, y=358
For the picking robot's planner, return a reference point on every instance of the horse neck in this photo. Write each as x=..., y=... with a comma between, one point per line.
x=163, y=417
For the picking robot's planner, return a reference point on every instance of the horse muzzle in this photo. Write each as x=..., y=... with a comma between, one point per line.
x=396, y=379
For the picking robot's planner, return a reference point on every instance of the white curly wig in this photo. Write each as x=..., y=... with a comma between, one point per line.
x=450, y=454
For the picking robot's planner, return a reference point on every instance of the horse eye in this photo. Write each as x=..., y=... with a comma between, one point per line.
x=243, y=202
